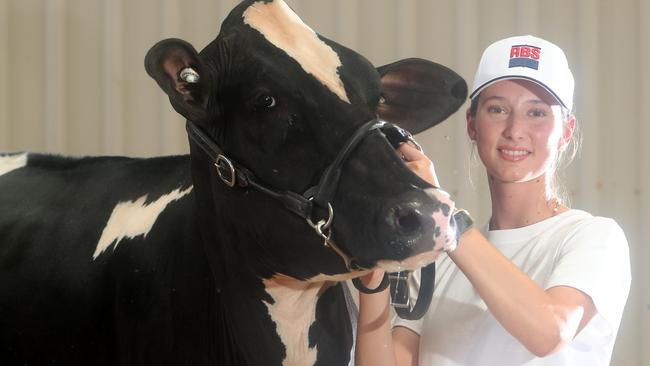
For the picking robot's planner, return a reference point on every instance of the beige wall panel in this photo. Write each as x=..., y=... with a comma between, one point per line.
x=619, y=128
x=26, y=74
x=346, y=23
x=74, y=83
x=55, y=73
x=113, y=79
x=5, y=125
x=586, y=171
x=639, y=343
x=83, y=94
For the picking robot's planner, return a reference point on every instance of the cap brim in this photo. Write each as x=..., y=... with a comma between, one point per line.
x=517, y=77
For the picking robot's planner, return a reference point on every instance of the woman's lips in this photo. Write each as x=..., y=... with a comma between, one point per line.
x=512, y=154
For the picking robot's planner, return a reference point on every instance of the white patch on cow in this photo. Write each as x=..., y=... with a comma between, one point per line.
x=284, y=29
x=338, y=277
x=411, y=263
x=133, y=218
x=9, y=163
x=294, y=311
x=446, y=238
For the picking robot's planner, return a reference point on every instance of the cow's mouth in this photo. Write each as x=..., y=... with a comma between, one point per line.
x=411, y=263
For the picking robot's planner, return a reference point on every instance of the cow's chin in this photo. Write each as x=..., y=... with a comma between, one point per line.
x=410, y=263
x=339, y=277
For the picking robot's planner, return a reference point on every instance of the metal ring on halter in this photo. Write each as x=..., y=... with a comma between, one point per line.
x=190, y=75
x=228, y=165
x=323, y=224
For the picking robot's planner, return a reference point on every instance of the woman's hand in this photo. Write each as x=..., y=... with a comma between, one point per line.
x=419, y=163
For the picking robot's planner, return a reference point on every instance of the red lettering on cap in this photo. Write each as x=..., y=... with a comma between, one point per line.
x=514, y=51
x=525, y=52
x=534, y=53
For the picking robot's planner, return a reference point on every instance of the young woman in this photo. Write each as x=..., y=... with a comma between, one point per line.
x=541, y=284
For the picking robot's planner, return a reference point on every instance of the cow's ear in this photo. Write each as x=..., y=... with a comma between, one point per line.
x=418, y=94
x=166, y=61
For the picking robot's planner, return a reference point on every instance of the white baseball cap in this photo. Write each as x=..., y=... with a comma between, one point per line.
x=528, y=58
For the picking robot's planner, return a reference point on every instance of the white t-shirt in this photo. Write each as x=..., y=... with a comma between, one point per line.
x=572, y=249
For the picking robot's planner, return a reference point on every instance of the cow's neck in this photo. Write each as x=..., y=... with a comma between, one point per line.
x=298, y=321
x=278, y=312
x=293, y=310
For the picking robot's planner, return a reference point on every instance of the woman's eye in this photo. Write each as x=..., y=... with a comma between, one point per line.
x=537, y=113
x=496, y=109
x=265, y=101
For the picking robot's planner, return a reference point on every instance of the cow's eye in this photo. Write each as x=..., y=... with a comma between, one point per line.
x=382, y=99
x=264, y=101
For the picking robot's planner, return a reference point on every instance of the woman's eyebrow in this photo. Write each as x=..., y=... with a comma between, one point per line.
x=493, y=97
x=501, y=99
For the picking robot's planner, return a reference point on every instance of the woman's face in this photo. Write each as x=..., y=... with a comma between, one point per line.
x=518, y=129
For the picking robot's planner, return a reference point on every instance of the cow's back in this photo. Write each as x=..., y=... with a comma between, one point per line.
x=94, y=247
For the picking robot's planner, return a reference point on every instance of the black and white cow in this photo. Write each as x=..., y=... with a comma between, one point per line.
x=125, y=261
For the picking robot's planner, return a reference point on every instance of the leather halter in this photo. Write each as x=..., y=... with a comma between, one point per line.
x=321, y=195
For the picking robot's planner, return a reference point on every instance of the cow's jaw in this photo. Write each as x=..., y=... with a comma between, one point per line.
x=285, y=30
x=293, y=312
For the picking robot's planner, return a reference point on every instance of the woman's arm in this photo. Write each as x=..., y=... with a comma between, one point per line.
x=542, y=321
x=376, y=344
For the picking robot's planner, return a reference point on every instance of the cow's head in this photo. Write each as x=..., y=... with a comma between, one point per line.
x=283, y=101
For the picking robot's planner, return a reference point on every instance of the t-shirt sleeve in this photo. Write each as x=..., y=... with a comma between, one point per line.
x=595, y=260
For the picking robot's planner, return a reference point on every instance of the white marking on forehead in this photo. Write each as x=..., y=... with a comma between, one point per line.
x=133, y=218
x=12, y=162
x=293, y=312
x=284, y=29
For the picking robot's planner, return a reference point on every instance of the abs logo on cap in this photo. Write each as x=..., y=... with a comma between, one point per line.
x=524, y=56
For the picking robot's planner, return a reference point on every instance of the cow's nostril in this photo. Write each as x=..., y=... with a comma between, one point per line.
x=407, y=221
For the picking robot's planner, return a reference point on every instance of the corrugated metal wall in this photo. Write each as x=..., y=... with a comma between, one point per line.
x=72, y=82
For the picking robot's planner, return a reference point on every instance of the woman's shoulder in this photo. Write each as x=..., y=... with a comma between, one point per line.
x=584, y=219
x=582, y=226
